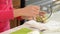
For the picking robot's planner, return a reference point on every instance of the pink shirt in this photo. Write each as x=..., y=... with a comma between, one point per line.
x=6, y=13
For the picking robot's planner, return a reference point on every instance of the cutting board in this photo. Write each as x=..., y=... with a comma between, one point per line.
x=22, y=31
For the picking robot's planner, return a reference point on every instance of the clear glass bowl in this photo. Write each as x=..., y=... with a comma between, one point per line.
x=48, y=9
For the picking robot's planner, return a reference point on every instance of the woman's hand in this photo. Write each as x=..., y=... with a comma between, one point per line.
x=31, y=12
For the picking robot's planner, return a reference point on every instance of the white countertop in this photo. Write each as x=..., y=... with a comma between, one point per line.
x=55, y=17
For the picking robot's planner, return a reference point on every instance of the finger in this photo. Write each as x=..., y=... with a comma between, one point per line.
x=36, y=7
x=35, y=11
x=42, y=12
x=34, y=17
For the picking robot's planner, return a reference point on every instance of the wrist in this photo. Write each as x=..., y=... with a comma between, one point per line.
x=18, y=12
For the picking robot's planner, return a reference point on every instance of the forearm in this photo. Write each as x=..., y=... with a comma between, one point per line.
x=18, y=12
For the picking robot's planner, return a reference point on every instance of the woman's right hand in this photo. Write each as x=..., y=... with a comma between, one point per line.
x=31, y=11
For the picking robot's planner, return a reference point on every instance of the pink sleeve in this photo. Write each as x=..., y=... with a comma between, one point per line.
x=5, y=15
x=6, y=11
